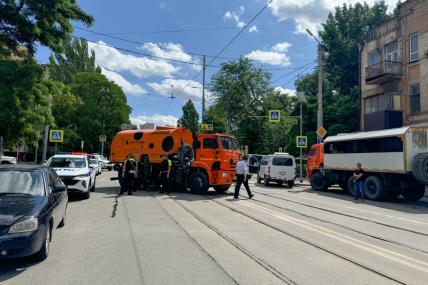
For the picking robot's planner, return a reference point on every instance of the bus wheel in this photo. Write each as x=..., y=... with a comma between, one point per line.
x=198, y=183
x=414, y=193
x=318, y=182
x=351, y=185
x=374, y=188
x=221, y=188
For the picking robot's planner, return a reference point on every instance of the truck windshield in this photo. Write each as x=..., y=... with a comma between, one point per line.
x=282, y=161
x=229, y=143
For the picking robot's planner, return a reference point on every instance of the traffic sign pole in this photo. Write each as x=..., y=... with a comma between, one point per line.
x=102, y=148
x=301, y=134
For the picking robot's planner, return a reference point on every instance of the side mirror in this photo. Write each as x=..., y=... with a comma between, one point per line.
x=59, y=188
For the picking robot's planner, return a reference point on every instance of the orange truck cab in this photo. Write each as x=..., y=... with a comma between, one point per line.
x=200, y=161
x=315, y=159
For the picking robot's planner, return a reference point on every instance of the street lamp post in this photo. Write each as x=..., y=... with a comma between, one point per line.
x=320, y=81
x=302, y=99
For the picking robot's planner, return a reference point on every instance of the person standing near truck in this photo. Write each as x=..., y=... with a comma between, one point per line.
x=129, y=171
x=165, y=171
x=359, y=182
x=242, y=177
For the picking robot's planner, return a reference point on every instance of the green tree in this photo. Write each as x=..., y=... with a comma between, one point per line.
x=190, y=118
x=31, y=21
x=217, y=117
x=25, y=102
x=237, y=87
x=74, y=59
x=104, y=108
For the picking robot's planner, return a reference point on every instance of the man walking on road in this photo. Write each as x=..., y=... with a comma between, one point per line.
x=359, y=182
x=129, y=172
x=242, y=177
x=165, y=171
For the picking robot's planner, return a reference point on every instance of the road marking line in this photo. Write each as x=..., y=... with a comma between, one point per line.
x=394, y=256
x=361, y=210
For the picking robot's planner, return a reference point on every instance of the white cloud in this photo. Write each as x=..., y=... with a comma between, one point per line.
x=311, y=13
x=167, y=50
x=182, y=89
x=114, y=60
x=277, y=55
x=284, y=91
x=127, y=86
x=253, y=29
x=155, y=119
x=235, y=16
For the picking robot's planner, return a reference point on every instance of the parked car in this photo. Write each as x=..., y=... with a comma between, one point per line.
x=75, y=172
x=103, y=161
x=7, y=159
x=95, y=165
x=278, y=167
x=33, y=203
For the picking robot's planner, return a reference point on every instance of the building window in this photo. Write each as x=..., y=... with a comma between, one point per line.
x=414, y=47
x=391, y=52
x=373, y=58
x=415, y=99
x=384, y=102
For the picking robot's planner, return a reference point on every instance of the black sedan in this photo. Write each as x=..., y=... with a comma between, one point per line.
x=33, y=202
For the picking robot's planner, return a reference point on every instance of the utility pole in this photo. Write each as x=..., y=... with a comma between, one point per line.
x=203, y=90
x=320, y=81
x=45, y=143
x=302, y=99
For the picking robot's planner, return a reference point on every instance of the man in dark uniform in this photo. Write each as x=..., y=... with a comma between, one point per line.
x=165, y=171
x=129, y=172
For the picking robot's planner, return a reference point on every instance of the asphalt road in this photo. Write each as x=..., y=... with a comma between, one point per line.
x=283, y=236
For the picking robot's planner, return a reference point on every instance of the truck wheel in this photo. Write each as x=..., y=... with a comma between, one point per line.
x=414, y=193
x=351, y=186
x=221, y=188
x=420, y=167
x=198, y=183
x=265, y=181
x=290, y=183
x=374, y=188
x=318, y=182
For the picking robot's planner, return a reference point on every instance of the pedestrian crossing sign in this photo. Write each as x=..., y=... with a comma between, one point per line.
x=56, y=136
x=302, y=141
x=274, y=116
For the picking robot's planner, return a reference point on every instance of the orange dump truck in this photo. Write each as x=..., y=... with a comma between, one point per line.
x=200, y=161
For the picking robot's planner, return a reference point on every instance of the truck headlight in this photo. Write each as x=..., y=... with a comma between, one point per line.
x=27, y=225
x=224, y=175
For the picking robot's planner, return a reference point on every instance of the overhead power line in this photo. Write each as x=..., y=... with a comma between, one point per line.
x=294, y=71
x=228, y=44
x=110, y=35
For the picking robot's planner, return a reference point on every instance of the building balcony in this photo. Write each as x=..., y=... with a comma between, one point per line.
x=383, y=72
x=382, y=120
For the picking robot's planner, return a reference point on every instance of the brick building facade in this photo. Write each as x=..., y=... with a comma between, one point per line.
x=394, y=70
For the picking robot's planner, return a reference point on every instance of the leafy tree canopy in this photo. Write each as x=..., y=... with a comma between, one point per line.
x=190, y=118
x=74, y=59
x=25, y=22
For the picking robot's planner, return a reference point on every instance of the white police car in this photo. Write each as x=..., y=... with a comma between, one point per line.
x=75, y=172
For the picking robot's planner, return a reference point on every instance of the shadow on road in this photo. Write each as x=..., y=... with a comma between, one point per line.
x=13, y=267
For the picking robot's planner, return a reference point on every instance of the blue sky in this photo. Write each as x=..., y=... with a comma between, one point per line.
x=184, y=30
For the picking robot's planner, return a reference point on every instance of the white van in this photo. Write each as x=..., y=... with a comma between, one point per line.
x=277, y=167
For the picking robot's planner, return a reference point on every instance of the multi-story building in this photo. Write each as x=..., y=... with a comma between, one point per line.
x=394, y=70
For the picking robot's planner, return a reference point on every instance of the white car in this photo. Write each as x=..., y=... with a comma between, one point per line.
x=104, y=162
x=95, y=165
x=7, y=159
x=278, y=167
x=75, y=171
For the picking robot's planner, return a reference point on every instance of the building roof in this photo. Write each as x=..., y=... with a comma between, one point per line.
x=368, y=135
